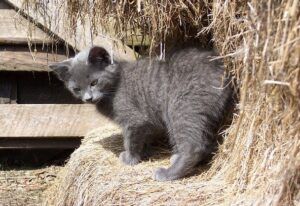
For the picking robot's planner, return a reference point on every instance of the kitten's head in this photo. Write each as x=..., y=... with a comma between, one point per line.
x=90, y=76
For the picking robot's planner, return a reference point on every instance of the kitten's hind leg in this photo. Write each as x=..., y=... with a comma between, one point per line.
x=182, y=165
x=184, y=161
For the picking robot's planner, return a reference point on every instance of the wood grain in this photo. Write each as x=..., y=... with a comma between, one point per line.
x=21, y=59
x=49, y=120
x=55, y=21
x=14, y=28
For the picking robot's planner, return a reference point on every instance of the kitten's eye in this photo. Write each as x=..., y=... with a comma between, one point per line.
x=94, y=83
x=76, y=89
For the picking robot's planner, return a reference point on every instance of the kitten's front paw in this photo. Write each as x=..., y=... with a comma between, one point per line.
x=129, y=159
x=161, y=174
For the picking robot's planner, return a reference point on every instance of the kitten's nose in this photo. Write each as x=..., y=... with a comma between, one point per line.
x=87, y=97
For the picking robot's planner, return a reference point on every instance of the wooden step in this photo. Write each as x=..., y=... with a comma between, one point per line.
x=49, y=120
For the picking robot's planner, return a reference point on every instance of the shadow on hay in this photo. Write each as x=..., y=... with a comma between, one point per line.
x=159, y=150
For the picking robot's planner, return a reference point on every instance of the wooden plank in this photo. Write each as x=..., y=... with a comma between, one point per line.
x=49, y=120
x=16, y=59
x=35, y=143
x=14, y=28
x=54, y=19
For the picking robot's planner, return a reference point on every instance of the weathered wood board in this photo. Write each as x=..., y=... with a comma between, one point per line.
x=49, y=120
x=16, y=59
x=55, y=21
x=14, y=28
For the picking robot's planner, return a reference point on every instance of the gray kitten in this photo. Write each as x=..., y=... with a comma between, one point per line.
x=181, y=97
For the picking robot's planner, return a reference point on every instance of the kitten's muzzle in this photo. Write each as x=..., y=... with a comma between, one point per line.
x=91, y=100
x=88, y=99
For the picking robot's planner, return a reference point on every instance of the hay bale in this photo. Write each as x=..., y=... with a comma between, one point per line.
x=259, y=161
x=95, y=176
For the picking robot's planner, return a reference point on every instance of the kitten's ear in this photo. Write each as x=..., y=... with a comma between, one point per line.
x=98, y=55
x=61, y=69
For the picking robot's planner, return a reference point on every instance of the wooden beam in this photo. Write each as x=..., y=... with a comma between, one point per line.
x=54, y=19
x=49, y=120
x=20, y=59
x=14, y=28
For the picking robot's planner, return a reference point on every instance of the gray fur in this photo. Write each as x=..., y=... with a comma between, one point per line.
x=180, y=97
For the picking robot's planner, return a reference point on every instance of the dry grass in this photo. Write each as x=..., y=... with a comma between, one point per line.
x=148, y=22
x=25, y=186
x=259, y=161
